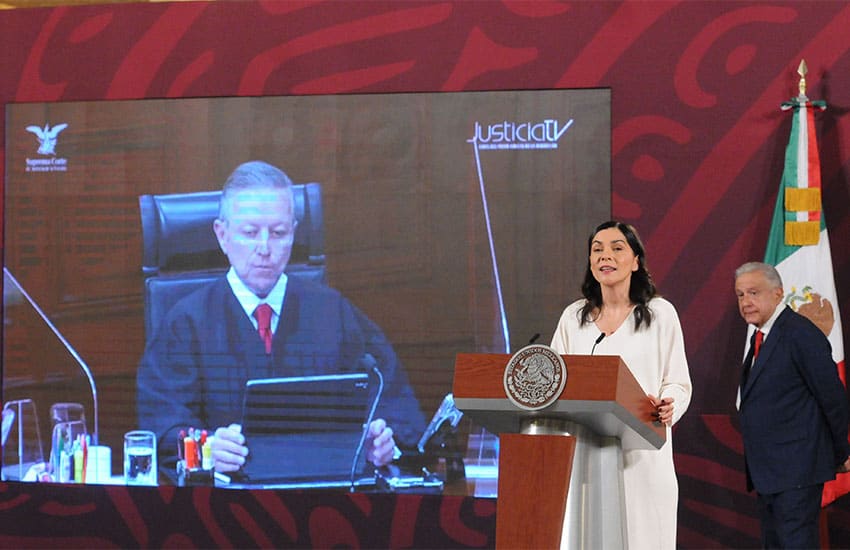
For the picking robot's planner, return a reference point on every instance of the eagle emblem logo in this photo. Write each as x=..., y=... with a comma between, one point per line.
x=47, y=137
x=813, y=306
x=535, y=377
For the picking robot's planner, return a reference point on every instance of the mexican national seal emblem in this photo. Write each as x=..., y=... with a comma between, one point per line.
x=813, y=306
x=535, y=377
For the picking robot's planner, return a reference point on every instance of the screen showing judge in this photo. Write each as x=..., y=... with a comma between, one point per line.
x=258, y=322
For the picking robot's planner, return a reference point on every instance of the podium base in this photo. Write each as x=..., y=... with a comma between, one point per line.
x=534, y=477
x=591, y=504
x=595, y=516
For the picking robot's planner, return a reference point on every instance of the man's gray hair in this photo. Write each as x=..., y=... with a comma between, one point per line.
x=254, y=174
x=770, y=272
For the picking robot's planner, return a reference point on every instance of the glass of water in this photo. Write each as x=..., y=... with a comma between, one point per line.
x=140, y=458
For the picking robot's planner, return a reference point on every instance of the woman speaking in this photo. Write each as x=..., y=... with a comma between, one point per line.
x=621, y=314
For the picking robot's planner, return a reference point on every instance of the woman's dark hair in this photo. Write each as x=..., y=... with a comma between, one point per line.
x=641, y=290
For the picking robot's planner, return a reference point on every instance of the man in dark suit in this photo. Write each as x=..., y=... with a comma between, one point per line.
x=211, y=342
x=793, y=411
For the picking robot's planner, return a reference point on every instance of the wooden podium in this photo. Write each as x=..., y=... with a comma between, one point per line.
x=560, y=468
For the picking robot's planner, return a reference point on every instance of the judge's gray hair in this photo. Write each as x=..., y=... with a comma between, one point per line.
x=254, y=174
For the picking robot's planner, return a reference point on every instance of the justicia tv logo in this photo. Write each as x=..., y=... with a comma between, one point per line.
x=47, y=139
x=519, y=135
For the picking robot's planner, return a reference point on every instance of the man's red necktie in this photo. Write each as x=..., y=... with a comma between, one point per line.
x=757, y=344
x=263, y=314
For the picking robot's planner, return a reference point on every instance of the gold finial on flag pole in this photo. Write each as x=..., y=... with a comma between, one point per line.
x=802, y=70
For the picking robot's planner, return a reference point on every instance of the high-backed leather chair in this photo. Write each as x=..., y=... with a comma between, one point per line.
x=180, y=251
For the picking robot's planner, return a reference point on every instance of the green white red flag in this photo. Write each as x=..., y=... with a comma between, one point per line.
x=798, y=245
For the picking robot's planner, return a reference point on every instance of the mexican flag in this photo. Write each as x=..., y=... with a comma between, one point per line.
x=798, y=245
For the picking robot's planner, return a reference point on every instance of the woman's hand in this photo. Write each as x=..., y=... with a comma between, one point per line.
x=663, y=409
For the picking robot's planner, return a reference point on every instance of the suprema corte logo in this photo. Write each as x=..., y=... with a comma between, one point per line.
x=47, y=139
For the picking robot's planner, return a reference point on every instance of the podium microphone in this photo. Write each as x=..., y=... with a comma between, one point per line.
x=601, y=336
x=531, y=340
x=369, y=364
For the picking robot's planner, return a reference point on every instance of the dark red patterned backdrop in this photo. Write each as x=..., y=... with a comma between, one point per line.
x=698, y=143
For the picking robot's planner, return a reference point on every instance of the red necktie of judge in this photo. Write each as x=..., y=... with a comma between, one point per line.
x=263, y=314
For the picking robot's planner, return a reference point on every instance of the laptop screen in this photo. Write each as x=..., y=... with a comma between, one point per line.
x=308, y=431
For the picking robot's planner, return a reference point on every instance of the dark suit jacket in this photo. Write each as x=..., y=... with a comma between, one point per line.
x=194, y=369
x=794, y=410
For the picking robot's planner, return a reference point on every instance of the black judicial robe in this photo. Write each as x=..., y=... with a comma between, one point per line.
x=194, y=369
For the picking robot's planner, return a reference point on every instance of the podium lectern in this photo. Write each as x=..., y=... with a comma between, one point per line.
x=560, y=468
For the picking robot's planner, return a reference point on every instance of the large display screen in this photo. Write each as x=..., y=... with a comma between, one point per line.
x=452, y=222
